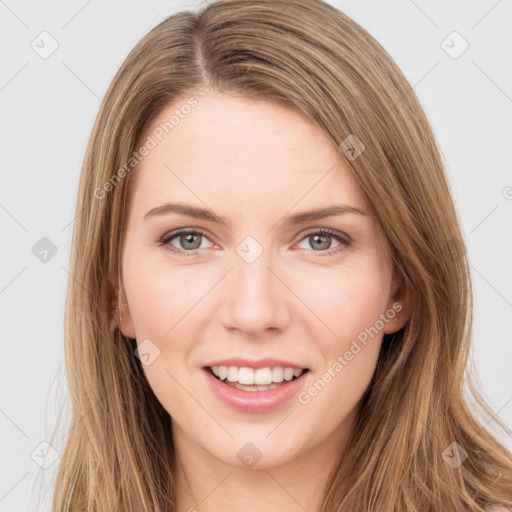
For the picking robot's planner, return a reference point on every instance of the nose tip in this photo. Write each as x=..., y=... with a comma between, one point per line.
x=255, y=299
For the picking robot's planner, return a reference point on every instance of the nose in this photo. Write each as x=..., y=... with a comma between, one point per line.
x=256, y=300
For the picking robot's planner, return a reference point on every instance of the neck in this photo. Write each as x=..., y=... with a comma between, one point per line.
x=207, y=484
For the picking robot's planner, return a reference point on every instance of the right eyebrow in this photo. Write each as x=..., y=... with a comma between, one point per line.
x=185, y=209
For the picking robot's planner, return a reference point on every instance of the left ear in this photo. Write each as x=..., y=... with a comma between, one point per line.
x=401, y=302
x=119, y=300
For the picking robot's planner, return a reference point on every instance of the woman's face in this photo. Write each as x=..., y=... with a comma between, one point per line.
x=266, y=288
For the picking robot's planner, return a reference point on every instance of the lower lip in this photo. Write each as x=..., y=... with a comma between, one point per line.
x=255, y=401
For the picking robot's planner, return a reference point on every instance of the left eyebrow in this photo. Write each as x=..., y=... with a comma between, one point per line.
x=328, y=211
x=209, y=215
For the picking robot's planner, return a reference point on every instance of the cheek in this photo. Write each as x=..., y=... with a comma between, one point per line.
x=348, y=299
x=161, y=304
x=160, y=296
x=351, y=306
x=349, y=302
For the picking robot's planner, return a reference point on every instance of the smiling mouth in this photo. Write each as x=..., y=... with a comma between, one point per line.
x=247, y=379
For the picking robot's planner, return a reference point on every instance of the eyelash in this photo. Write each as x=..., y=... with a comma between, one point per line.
x=345, y=241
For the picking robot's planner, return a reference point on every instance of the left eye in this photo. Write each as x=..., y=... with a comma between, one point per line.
x=323, y=241
x=191, y=241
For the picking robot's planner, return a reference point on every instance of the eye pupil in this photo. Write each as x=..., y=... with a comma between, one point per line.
x=319, y=238
x=189, y=238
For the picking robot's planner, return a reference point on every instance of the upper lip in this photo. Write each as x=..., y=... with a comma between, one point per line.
x=267, y=362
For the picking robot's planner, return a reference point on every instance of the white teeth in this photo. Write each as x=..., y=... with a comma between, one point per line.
x=246, y=376
x=253, y=388
x=261, y=376
x=223, y=372
x=232, y=374
x=288, y=373
x=277, y=374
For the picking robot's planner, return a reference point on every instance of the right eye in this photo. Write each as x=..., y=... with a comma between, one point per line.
x=189, y=240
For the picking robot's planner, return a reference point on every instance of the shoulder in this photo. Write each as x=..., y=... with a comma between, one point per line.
x=496, y=508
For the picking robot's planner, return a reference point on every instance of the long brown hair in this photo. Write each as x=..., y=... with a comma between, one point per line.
x=308, y=56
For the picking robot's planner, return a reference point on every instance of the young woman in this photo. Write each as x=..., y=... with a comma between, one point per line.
x=271, y=302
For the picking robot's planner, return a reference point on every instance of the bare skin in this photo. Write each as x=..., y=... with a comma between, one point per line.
x=254, y=164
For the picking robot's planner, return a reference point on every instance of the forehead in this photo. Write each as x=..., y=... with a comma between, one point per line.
x=231, y=151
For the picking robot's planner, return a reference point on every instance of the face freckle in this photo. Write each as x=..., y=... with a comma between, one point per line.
x=259, y=285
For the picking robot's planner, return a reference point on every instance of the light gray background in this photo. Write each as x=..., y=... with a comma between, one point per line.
x=47, y=110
